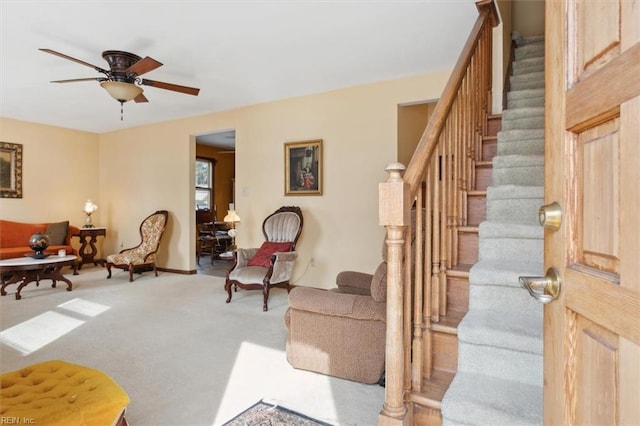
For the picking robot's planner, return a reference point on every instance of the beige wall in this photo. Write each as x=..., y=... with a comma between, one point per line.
x=359, y=129
x=412, y=121
x=133, y=172
x=59, y=173
x=528, y=17
x=143, y=170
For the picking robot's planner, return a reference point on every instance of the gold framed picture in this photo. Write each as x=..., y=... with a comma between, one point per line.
x=303, y=168
x=10, y=170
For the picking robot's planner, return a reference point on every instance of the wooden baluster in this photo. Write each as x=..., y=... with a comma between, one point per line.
x=418, y=245
x=435, y=241
x=442, y=246
x=448, y=196
x=455, y=147
x=407, y=308
x=427, y=291
x=451, y=194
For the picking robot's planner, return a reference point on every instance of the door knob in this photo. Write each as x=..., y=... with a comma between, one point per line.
x=550, y=216
x=543, y=289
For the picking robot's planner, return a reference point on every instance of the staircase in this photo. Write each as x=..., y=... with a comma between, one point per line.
x=499, y=370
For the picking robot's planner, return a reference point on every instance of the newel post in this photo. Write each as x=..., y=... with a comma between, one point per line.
x=395, y=216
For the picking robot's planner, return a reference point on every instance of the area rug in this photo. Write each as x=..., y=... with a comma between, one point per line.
x=264, y=414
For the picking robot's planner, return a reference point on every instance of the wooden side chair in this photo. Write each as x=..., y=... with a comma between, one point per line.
x=272, y=264
x=143, y=256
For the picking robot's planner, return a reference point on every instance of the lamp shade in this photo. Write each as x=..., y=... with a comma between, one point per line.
x=90, y=207
x=232, y=217
x=122, y=92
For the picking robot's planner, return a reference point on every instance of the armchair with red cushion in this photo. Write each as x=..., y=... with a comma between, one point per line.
x=270, y=265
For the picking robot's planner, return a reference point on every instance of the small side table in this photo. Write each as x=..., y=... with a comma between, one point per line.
x=88, y=237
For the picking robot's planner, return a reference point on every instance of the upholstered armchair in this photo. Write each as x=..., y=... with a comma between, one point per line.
x=340, y=332
x=143, y=256
x=270, y=265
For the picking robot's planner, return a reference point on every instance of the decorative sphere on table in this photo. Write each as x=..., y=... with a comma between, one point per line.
x=38, y=243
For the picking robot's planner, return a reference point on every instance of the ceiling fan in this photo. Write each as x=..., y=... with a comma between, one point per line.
x=122, y=80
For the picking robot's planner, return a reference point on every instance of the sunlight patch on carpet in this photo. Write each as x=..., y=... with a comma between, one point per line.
x=31, y=335
x=252, y=361
x=84, y=307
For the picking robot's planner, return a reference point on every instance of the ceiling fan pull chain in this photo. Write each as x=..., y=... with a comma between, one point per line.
x=121, y=111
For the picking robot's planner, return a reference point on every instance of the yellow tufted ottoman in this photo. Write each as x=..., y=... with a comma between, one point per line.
x=57, y=393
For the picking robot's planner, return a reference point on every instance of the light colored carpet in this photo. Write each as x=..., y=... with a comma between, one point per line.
x=184, y=356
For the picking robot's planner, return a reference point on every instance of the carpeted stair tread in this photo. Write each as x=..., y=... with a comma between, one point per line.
x=525, y=103
x=525, y=93
x=510, y=241
x=521, y=142
x=495, y=229
x=474, y=399
x=532, y=122
x=500, y=273
x=535, y=122
x=529, y=50
x=518, y=331
x=523, y=118
x=530, y=80
x=522, y=113
x=519, y=134
x=514, y=203
x=520, y=41
x=521, y=147
x=514, y=191
x=509, y=298
x=514, y=161
x=500, y=362
x=524, y=170
x=528, y=65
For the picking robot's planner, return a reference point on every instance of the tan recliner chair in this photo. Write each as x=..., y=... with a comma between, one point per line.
x=340, y=332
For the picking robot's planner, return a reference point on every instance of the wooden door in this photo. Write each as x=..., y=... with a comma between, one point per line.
x=592, y=161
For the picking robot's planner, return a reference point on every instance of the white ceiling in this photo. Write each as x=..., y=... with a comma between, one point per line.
x=237, y=52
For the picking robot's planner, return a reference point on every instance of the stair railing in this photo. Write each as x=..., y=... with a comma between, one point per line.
x=437, y=179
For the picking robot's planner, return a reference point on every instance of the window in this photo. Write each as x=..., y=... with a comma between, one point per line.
x=204, y=183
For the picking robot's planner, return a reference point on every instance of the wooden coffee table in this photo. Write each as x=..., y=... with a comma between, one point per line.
x=25, y=270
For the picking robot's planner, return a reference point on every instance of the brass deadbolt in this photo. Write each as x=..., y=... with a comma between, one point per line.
x=550, y=216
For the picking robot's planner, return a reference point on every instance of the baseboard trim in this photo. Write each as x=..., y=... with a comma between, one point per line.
x=178, y=271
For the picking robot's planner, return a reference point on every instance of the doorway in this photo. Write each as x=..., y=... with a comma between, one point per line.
x=214, y=196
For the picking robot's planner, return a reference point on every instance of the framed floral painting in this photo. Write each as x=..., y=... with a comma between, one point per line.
x=303, y=168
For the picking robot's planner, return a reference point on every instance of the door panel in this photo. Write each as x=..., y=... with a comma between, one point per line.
x=598, y=224
x=592, y=168
x=595, y=373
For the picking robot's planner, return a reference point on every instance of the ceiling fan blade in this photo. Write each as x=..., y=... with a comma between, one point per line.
x=143, y=66
x=140, y=98
x=62, y=55
x=168, y=86
x=73, y=80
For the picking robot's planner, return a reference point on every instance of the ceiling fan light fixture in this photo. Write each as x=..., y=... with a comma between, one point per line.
x=121, y=92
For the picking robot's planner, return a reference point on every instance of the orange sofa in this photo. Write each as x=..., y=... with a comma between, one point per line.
x=14, y=237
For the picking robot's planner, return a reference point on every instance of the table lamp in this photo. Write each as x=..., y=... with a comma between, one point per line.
x=232, y=218
x=89, y=207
